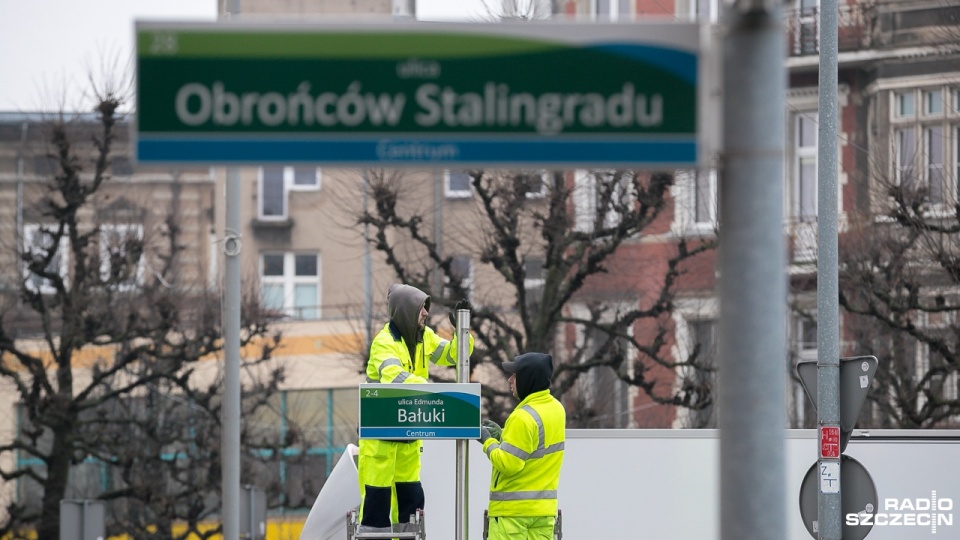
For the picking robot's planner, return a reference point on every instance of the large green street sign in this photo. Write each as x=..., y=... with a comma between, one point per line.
x=418, y=94
x=420, y=411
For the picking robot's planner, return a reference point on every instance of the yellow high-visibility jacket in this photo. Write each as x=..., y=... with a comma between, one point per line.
x=390, y=360
x=526, y=463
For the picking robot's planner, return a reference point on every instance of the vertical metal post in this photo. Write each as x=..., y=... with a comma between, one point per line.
x=230, y=444
x=828, y=325
x=463, y=454
x=367, y=269
x=752, y=373
x=252, y=516
x=21, y=157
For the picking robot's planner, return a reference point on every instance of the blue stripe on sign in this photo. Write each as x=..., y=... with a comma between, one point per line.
x=674, y=152
x=681, y=63
x=413, y=433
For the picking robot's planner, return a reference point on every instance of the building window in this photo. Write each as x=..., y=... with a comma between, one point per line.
x=599, y=198
x=933, y=102
x=933, y=170
x=533, y=280
x=304, y=178
x=703, y=376
x=805, y=350
x=807, y=338
x=534, y=184
x=275, y=184
x=39, y=244
x=121, y=255
x=805, y=167
x=290, y=284
x=705, y=197
x=905, y=155
x=925, y=146
x=457, y=184
x=703, y=10
x=695, y=201
x=905, y=104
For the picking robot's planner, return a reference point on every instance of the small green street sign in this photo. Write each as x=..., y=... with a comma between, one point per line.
x=419, y=94
x=420, y=411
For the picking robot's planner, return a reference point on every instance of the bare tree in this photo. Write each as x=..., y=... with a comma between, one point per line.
x=555, y=276
x=900, y=284
x=107, y=347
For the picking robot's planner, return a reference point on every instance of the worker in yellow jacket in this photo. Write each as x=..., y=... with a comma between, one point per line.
x=527, y=457
x=389, y=471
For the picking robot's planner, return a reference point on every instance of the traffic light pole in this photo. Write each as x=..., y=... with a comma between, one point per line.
x=829, y=519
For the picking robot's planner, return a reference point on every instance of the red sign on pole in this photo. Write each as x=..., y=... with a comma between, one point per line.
x=830, y=442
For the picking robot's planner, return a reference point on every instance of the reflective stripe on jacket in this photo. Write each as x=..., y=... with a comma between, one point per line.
x=526, y=463
x=390, y=360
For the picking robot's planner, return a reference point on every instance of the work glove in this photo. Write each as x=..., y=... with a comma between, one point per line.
x=495, y=430
x=484, y=435
x=452, y=315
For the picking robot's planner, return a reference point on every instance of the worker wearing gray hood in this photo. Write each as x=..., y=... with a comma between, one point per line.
x=389, y=471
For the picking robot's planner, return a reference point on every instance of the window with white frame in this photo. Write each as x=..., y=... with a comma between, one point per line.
x=290, y=284
x=121, y=255
x=805, y=166
x=805, y=350
x=934, y=178
x=39, y=244
x=905, y=153
x=695, y=195
x=925, y=143
x=457, y=184
x=598, y=196
x=701, y=378
x=277, y=182
x=705, y=197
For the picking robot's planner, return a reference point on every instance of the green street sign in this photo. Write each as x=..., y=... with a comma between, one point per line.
x=420, y=411
x=418, y=93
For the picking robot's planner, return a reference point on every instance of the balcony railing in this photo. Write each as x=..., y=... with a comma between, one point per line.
x=803, y=29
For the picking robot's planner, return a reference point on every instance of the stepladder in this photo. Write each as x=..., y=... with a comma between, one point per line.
x=557, y=527
x=415, y=529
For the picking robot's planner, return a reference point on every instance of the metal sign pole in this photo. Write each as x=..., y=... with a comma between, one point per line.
x=463, y=455
x=230, y=415
x=829, y=517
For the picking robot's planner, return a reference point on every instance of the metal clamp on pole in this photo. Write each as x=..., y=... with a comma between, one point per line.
x=463, y=376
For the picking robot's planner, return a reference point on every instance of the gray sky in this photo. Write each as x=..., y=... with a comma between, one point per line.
x=49, y=47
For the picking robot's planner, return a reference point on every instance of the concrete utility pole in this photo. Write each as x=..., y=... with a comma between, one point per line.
x=753, y=304
x=230, y=444
x=828, y=325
